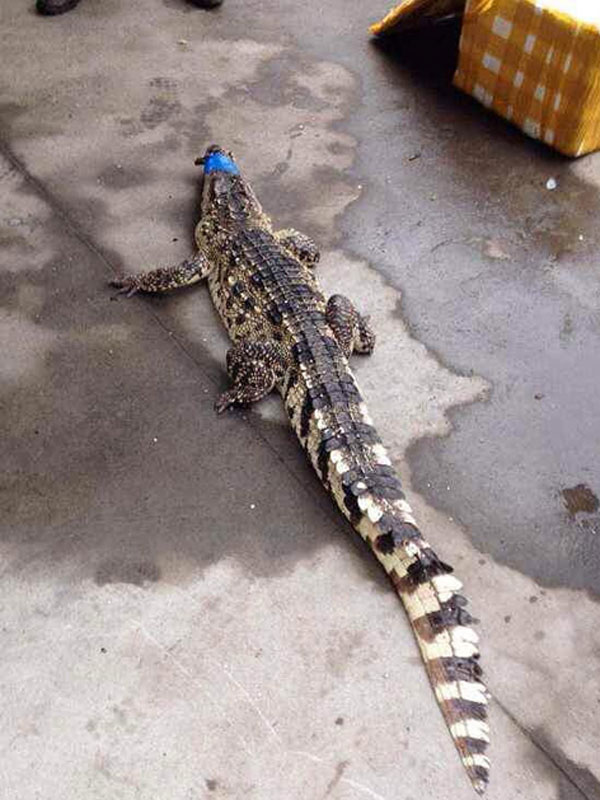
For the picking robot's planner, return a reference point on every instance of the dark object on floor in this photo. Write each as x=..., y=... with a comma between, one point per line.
x=51, y=8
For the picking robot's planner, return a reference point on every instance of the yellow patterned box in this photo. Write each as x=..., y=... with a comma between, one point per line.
x=536, y=63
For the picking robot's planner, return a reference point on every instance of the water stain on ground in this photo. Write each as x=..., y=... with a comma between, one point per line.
x=184, y=209
x=13, y=122
x=575, y=781
x=123, y=176
x=135, y=572
x=580, y=498
x=133, y=412
x=182, y=6
x=114, y=483
x=163, y=104
x=97, y=470
x=342, y=650
x=527, y=322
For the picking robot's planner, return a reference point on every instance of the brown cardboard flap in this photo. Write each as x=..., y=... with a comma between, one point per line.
x=415, y=13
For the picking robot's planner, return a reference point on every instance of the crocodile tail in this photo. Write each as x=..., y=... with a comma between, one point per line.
x=448, y=644
x=354, y=466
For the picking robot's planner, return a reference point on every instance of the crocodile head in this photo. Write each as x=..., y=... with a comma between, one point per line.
x=226, y=196
x=217, y=159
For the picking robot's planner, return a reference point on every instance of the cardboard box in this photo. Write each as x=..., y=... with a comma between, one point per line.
x=414, y=13
x=534, y=62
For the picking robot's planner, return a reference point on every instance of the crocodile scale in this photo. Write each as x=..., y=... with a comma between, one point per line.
x=287, y=336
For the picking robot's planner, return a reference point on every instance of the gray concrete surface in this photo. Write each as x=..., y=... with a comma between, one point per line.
x=183, y=614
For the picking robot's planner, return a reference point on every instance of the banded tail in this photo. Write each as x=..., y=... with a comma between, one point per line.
x=353, y=464
x=441, y=624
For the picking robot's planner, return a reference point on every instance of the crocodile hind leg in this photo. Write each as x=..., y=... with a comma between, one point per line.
x=164, y=279
x=352, y=331
x=254, y=368
x=299, y=245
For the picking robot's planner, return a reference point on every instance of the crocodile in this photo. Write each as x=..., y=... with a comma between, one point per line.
x=287, y=336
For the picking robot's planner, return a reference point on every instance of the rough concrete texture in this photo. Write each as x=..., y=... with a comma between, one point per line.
x=183, y=614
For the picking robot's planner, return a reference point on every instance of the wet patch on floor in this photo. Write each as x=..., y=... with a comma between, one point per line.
x=135, y=572
x=120, y=177
x=300, y=169
x=59, y=487
x=162, y=105
x=580, y=499
x=575, y=781
x=180, y=6
x=496, y=281
x=30, y=234
x=84, y=363
x=98, y=499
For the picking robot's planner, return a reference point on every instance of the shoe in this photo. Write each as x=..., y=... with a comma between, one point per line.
x=50, y=8
x=206, y=3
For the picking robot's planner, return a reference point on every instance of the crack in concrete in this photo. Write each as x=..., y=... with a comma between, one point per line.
x=339, y=772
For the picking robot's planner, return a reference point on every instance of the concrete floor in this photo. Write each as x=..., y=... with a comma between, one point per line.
x=183, y=614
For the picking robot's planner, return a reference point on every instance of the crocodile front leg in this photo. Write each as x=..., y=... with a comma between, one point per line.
x=352, y=331
x=164, y=279
x=254, y=368
x=299, y=245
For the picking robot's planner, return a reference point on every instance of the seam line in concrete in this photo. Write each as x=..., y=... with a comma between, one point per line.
x=529, y=735
x=73, y=227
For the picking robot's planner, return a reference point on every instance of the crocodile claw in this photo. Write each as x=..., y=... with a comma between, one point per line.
x=126, y=286
x=224, y=401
